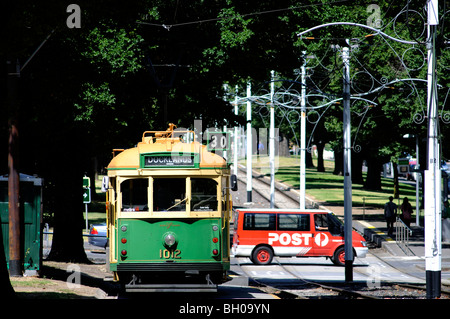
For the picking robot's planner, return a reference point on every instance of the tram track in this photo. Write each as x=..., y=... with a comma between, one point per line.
x=445, y=289
x=344, y=293
x=311, y=289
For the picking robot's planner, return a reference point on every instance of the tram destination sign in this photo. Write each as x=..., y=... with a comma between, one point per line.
x=170, y=160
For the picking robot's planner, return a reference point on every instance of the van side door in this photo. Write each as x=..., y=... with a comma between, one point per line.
x=324, y=242
x=293, y=236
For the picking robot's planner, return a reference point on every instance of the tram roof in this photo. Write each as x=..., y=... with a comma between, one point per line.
x=161, y=150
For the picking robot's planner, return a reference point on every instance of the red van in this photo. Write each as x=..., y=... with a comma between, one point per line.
x=261, y=234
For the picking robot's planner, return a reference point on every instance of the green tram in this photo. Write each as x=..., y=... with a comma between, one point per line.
x=168, y=211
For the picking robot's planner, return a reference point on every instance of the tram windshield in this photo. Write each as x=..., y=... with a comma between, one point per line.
x=169, y=194
x=134, y=194
x=204, y=194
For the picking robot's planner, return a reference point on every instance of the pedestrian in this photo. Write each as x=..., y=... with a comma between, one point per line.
x=406, y=210
x=390, y=213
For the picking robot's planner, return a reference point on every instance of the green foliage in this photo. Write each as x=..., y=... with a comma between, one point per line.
x=92, y=96
x=115, y=49
x=234, y=28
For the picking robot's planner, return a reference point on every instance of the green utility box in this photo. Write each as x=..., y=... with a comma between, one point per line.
x=30, y=189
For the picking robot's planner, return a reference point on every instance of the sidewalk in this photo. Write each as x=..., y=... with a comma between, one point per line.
x=370, y=222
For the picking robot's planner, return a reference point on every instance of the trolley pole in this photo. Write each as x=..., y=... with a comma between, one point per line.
x=272, y=142
x=433, y=172
x=235, y=153
x=303, y=137
x=347, y=170
x=249, y=144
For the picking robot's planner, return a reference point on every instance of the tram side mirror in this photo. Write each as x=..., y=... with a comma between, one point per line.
x=105, y=183
x=233, y=181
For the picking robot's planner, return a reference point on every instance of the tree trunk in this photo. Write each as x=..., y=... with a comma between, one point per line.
x=357, y=160
x=396, y=185
x=308, y=160
x=320, y=165
x=373, y=180
x=67, y=195
x=338, y=162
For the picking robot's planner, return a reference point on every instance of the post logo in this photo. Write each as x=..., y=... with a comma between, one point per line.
x=321, y=239
x=286, y=239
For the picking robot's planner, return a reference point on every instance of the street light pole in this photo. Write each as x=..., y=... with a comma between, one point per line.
x=417, y=182
x=235, y=137
x=303, y=137
x=347, y=170
x=433, y=172
x=249, y=144
x=272, y=142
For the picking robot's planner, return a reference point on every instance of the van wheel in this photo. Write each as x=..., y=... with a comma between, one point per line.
x=262, y=255
x=339, y=256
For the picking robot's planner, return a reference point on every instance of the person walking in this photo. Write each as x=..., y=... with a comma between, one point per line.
x=406, y=210
x=390, y=213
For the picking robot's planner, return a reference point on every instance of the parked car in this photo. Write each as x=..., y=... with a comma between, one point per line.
x=98, y=235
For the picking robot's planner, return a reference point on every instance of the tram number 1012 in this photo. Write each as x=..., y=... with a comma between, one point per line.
x=169, y=254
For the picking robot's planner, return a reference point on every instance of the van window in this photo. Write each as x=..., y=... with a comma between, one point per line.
x=321, y=222
x=299, y=222
x=254, y=221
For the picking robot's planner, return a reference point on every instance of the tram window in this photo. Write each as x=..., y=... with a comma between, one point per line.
x=203, y=194
x=259, y=221
x=169, y=194
x=298, y=222
x=134, y=194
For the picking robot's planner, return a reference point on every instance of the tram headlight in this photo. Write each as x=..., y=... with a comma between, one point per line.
x=169, y=239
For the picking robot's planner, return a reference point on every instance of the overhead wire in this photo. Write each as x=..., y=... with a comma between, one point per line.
x=169, y=26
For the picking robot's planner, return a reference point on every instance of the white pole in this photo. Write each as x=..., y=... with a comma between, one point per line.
x=303, y=139
x=235, y=159
x=347, y=171
x=225, y=153
x=433, y=172
x=417, y=182
x=272, y=142
x=87, y=223
x=249, y=144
